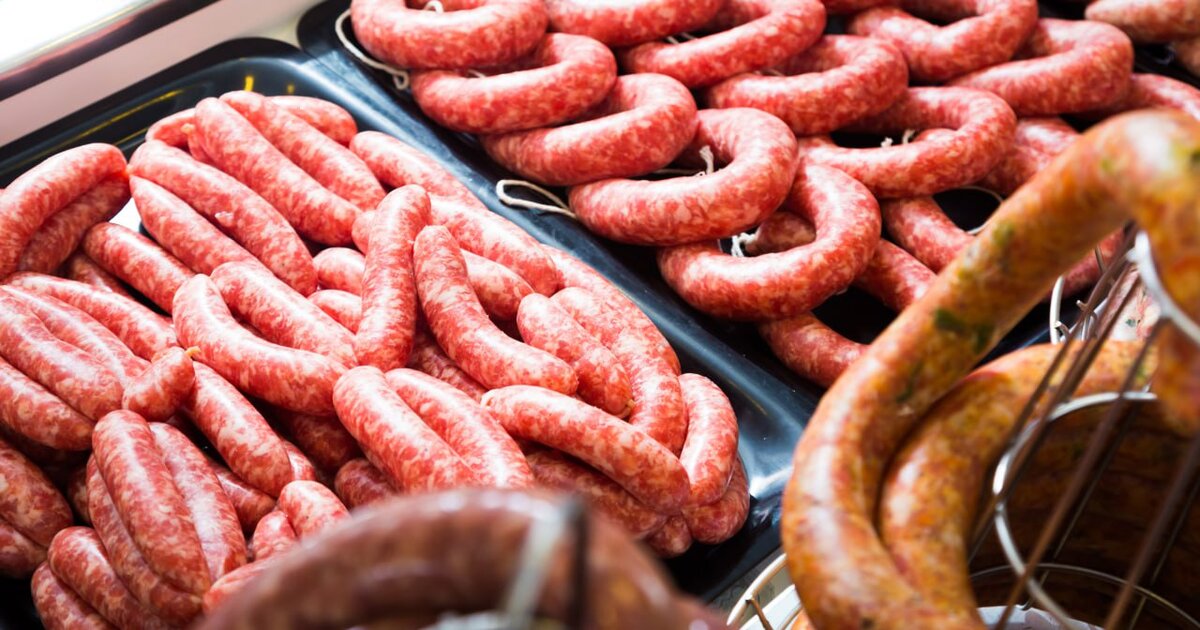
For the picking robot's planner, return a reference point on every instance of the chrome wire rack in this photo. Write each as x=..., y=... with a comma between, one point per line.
x=1091, y=520
x=1119, y=544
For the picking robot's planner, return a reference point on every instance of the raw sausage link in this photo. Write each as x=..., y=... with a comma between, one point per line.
x=759, y=152
x=629, y=23
x=470, y=34
x=137, y=261
x=498, y=288
x=302, y=467
x=230, y=205
x=322, y=438
x=30, y=504
x=1154, y=90
x=983, y=132
x=747, y=35
x=173, y=605
x=920, y=226
x=577, y=274
x=1037, y=141
x=672, y=539
x=643, y=124
x=397, y=164
x=837, y=81
x=1149, y=21
x=331, y=164
x=781, y=231
x=469, y=429
x=240, y=150
x=428, y=357
x=603, y=382
x=41, y=454
x=162, y=389
x=962, y=437
x=59, y=607
x=463, y=329
x=389, y=292
x=273, y=534
x=977, y=33
x=232, y=583
x=68, y=372
x=250, y=504
x=788, y=283
x=1065, y=66
x=145, y=332
x=810, y=348
x=892, y=276
x=298, y=380
x=79, y=561
x=559, y=472
x=81, y=330
x=395, y=439
x=647, y=469
x=279, y=313
x=47, y=188
x=718, y=521
x=62, y=231
x=330, y=118
x=80, y=268
x=499, y=240
x=179, y=229
x=239, y=433
x=213, y=514
x=136, y=476
x=658, y=407
x=19, y=556
x=710, y=452
x=562, y=79
x=342, y=306
x=361, y=483
x=340, y=268
x=310, y=507
x=28, y=409
x=327, y=117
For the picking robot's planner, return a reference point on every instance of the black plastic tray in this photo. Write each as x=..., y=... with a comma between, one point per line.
x=771, y=404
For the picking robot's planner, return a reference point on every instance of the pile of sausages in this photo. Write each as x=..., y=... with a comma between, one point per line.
x=209, y=396
x=806, y=214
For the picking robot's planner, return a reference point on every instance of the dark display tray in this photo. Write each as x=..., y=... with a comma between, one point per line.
x=771, y=404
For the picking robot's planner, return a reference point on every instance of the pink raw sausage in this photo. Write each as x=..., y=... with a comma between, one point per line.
x=746, y=35
x=463, y=329
x=563, y=78
x=759, y=153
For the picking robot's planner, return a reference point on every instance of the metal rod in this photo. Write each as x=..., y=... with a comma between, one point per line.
x=1078, y=478
x=577, y=612
x=1168, y=544
x=1074, y=376
x=762, y=616
x=1110, y=453
x=1152, y=538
